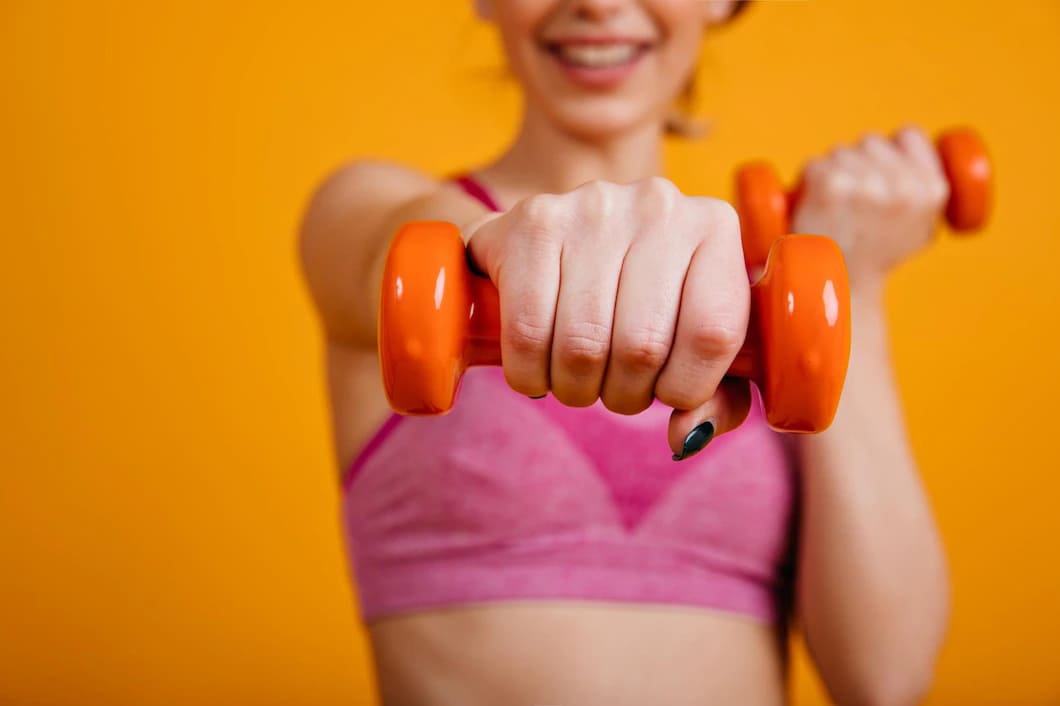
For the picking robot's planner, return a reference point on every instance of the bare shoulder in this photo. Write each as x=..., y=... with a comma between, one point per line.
x=365, y=188
x=356, y=199
x=346, y=229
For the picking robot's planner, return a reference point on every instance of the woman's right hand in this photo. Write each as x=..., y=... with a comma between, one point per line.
x=622, y=293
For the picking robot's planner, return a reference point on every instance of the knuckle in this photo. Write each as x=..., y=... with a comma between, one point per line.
x=714, y=219
x=875, y=188
x=527, y=337
x=913, y=133
x=662, y=186
x=658, y=196
x=838, y=184
x=598, y=194
x=584, y=348
x=916, y=192
x=926, y=198
x=540, y=210
x=540, y=224
x=717, y=340
x=913, y=140
x=640, y=353
x=725, y=218
x=873, y=144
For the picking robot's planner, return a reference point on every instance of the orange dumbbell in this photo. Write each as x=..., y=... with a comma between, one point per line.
x=765, y=207
x=437, y=318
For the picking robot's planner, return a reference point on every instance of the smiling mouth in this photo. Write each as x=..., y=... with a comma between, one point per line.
x=597, y=56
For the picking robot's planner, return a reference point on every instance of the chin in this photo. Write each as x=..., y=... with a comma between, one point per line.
x=593, y=122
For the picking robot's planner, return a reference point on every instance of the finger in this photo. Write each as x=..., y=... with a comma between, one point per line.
x=821, y=181
x=870, y=174
x=584, y=319
x=714, y=308
x=519, y=254
x=590, y=264
x=851, y=162
x=896, y=180
x=690, y=431
x=881, y=153
x=913, y=143
x=649, y=291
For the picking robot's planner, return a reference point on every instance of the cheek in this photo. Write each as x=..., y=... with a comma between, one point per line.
x=522, y=18
x=519, y=22
x=679, y=58
x=687, y=40
x=681, y=23
x=678, y=17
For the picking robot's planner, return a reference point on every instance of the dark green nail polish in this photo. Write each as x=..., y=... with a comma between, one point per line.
x=696, y=440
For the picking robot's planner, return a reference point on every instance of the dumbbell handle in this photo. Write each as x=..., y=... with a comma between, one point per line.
x=765, y=207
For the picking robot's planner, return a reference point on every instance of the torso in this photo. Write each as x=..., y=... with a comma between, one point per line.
x=552, y=651
x=545, y=651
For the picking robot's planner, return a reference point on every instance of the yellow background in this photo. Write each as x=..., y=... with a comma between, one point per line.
x=168, y=517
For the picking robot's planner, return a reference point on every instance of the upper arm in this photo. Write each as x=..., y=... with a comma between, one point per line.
x=345, y=233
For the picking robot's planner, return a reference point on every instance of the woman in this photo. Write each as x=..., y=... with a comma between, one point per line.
x=538, y=545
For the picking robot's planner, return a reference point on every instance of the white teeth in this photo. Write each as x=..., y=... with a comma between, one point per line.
x=596, y=56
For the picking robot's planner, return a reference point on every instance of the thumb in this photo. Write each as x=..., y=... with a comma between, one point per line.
x=691, y=430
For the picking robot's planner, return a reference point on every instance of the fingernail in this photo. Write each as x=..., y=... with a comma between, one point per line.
x=696, y=440
x=539, y=397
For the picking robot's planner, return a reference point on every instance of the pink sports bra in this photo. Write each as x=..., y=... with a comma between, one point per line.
x=510, y=498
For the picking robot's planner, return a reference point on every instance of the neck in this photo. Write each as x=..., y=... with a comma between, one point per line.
x=545, y=159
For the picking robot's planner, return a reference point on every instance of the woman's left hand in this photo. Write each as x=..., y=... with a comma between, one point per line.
x=880, y=200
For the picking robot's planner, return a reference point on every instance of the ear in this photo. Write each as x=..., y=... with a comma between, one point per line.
x=715, y=12
x=484, y=9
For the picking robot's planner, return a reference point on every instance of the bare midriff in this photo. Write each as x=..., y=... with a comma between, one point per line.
x=577, y=654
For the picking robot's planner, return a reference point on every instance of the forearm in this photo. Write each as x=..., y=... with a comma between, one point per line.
x=873, y=590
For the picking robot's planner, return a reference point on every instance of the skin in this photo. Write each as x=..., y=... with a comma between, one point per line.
x=592, y=310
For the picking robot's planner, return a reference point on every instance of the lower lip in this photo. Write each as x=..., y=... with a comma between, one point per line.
x=602, y=77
